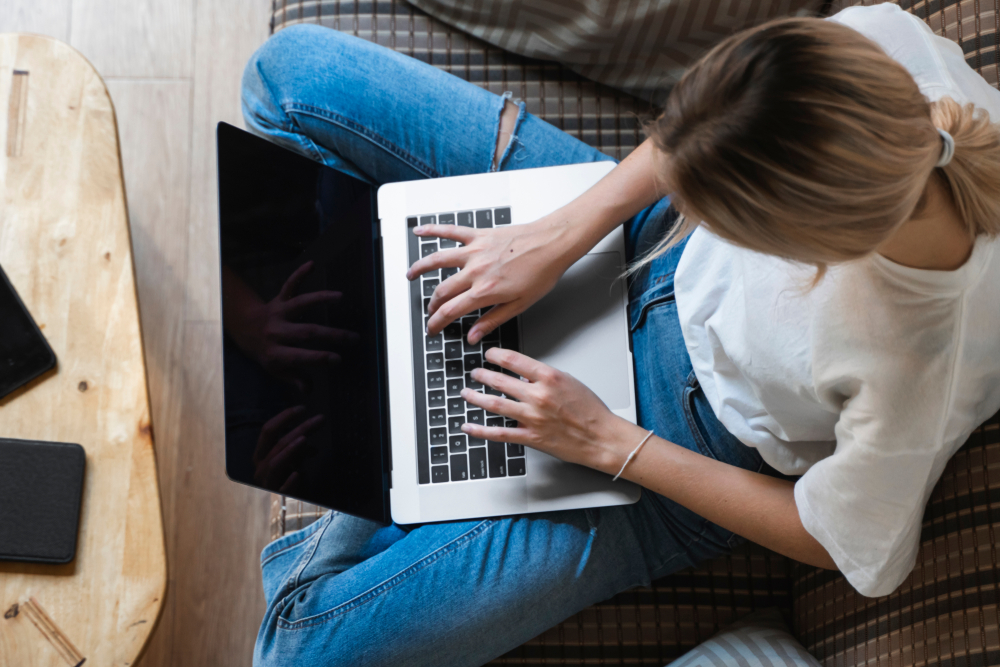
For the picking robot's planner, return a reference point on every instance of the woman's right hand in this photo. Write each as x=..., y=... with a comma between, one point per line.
x=509, y=268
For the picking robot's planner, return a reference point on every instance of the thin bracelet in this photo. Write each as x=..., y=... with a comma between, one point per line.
x=634, y=452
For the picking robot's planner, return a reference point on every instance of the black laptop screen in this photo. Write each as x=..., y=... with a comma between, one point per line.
x=301, y=328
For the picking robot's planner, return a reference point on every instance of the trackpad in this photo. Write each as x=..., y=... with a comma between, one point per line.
x=579, y=327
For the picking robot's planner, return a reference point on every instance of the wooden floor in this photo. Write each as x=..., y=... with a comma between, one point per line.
x=173, y=69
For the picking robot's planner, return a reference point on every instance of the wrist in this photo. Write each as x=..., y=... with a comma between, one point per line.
x=617, y=440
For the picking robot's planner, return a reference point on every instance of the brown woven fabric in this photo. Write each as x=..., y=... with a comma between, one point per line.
x=598, y=115
x=652, y=626
x=945, y=613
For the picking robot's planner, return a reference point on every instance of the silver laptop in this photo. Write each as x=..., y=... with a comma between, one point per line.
x=368, y=419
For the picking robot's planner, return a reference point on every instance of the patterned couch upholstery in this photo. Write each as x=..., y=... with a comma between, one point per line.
x=945, y=613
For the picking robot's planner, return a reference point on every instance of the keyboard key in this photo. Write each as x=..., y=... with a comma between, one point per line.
x=449, y=218
x=439, y=436
x=455, y=387
x=514, y=449
x=439, y=474
x=492, y=337
x=471, y=383
x=472, y=362
x=476, y=417
x=428, y=249
x=477, y=463
x=448, y=273
x=427, y=302
x=468, y=347
x=455, y=424
x=435, y=361
x=448, y=243
x=495, y=422
x=459, y=467
x=453, y=368
x=434, y=343
x=427, y=220
x=516, y=467
x=465, y=218
x=439, y=454
x=456, y=406
x=453, y=331
x=492, y=392
x=411, y=222
x=453, y=349
x=467, y=323
x=511, y=423
x=456, y=444
x=435, y=399
x=501, y=216
x=476, y=442
x=429, y=286
x=435, y=380
x=484, y=218
x=509, y=337
x=491, y=367
x=495, y=459
x=437, y=418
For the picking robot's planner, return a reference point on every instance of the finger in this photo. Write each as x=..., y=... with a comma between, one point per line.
x=450, y=258
x=299, y=357
x=451, y=311
x=293, y=331
x=292, y=283
x=274, y=427
x=449, y=289
x=521, y=364
x=304, y=428
x=512, y=387
x=311, y=299
x=291, y=485
x=454, y=232
x=496, y=404
x=496, y=316
x=519, y=436
x=279, y=465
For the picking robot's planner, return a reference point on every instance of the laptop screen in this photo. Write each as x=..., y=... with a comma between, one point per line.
x=302, y=343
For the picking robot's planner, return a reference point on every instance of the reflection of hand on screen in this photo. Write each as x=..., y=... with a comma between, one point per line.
x=285, y=348
x=280, y=449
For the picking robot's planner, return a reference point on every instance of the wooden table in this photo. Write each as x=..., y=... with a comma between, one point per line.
x=64, y=244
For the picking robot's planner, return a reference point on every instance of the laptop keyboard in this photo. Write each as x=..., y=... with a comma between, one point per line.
x=442, y=368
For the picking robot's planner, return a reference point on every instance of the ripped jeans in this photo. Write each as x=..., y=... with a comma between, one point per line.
x=347, y=591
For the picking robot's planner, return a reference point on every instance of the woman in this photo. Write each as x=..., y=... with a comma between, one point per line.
x=858, y=145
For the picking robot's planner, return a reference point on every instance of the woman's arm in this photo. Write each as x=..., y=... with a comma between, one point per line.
x=560, y=416
x=512, y=267
x=758, y=507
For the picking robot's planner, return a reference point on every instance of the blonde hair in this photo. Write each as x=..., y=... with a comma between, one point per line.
x=802, y=139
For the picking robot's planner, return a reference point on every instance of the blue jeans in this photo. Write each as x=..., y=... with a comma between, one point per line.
x=347, y=591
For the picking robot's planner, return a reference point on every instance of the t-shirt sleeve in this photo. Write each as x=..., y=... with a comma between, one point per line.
x=865, y=502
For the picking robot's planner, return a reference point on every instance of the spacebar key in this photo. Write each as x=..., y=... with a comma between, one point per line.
x=496, y=459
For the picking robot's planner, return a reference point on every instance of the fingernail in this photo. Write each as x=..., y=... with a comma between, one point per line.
x=418, y=230
x=474, y=336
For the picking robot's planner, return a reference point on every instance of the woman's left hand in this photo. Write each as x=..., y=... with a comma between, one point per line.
x=556, y=413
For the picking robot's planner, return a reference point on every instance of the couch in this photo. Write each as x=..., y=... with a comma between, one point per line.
x=945, y=613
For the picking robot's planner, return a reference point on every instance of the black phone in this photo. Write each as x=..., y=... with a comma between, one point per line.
x=24, y=352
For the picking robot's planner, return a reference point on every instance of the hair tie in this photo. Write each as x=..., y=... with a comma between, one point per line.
x=947, y=150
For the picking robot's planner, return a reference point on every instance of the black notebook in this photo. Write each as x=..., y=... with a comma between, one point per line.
x=41, y=484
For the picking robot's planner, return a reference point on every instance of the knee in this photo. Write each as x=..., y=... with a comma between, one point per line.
x=276, y=68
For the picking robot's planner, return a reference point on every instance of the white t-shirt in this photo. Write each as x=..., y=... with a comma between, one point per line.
x=869, y=384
